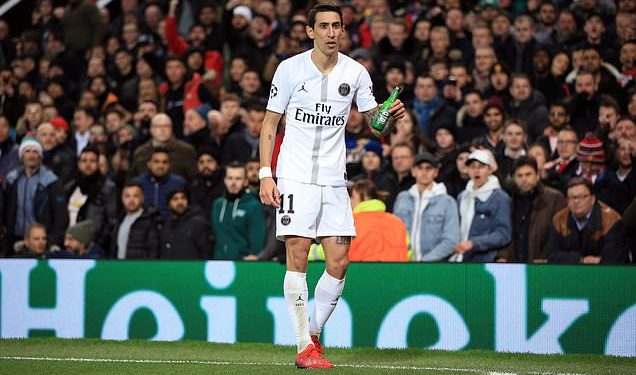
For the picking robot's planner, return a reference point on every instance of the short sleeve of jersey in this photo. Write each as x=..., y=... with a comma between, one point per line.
x=364, y=95
x=279, y=92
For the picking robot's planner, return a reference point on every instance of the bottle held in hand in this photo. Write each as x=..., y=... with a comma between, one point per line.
x=382, y=118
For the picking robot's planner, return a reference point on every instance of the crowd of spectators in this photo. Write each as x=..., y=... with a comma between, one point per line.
x=133, y=132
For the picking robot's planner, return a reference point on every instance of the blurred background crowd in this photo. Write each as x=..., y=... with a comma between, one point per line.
x=130, y=129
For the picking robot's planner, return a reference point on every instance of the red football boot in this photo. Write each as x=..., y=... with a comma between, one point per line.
x=311, y=358
x=317, y=344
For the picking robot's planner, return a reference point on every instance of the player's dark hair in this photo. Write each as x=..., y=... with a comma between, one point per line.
x=322, y=8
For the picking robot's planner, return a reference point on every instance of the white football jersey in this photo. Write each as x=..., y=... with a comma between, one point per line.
x=317, y=108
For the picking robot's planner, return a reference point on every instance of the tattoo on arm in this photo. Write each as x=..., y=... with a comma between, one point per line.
x=343, y=240
x=370, y=115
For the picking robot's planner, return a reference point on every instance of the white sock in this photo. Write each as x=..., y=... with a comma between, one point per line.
x=328, y=292
x=296, y=296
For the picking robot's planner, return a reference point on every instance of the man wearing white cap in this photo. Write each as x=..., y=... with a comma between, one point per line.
x=34, y=194
x=484, y=212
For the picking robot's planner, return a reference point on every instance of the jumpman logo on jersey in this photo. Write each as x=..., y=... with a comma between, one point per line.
x=300, y=298
x=302, y=88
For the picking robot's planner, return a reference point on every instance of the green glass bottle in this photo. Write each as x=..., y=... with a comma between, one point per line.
x=380, y=120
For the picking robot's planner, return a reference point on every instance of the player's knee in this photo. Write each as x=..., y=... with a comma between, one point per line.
x=298, y=259
x=338, y=267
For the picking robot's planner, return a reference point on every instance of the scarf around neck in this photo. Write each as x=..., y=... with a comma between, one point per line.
x=467, y=204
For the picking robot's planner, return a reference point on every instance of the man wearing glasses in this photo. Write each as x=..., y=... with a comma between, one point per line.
x=560, y=170
x=587, y=231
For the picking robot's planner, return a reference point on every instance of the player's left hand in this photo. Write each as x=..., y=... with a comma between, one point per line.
x=397, y=109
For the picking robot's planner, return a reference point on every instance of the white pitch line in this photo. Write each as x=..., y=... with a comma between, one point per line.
x=229, y=363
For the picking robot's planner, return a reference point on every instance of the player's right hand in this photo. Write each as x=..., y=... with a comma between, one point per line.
x=269, y=194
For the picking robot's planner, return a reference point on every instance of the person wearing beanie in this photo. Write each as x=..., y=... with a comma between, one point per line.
x=373, y=168
x=187, y=234
x=30, y=144
x=62, y=130
x=78, y=243
x=195, y=127
x=592, y=167
x=34, y=194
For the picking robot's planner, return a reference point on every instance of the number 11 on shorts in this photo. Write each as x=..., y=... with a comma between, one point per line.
x=290, y=210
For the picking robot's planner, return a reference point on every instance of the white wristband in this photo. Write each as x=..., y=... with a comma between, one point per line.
x=264, y=172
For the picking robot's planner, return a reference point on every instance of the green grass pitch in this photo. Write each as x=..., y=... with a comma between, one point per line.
x=89, y=356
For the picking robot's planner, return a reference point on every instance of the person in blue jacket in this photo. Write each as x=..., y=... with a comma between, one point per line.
x=157, y=182
x=484, y=208
x=429, y=213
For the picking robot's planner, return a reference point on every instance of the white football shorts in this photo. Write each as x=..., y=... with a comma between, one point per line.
x=313, y=211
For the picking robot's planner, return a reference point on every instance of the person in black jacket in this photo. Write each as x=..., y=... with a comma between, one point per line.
x=33, y=194
x=187, y=234
x=374, y=169
x=585, y=104
x=136, y=235
x=472, y=124
x=195, y=127
x=208, y=183
x=527, y=105
x=60, y=159
x=92, y=196
x=242, y=146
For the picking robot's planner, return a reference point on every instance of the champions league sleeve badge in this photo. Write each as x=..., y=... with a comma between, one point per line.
x=344, y=89
x=273, y=91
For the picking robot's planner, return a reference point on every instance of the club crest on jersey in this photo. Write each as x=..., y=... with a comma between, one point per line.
x=344, y=89
x=285, y=220
x=273, y=91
